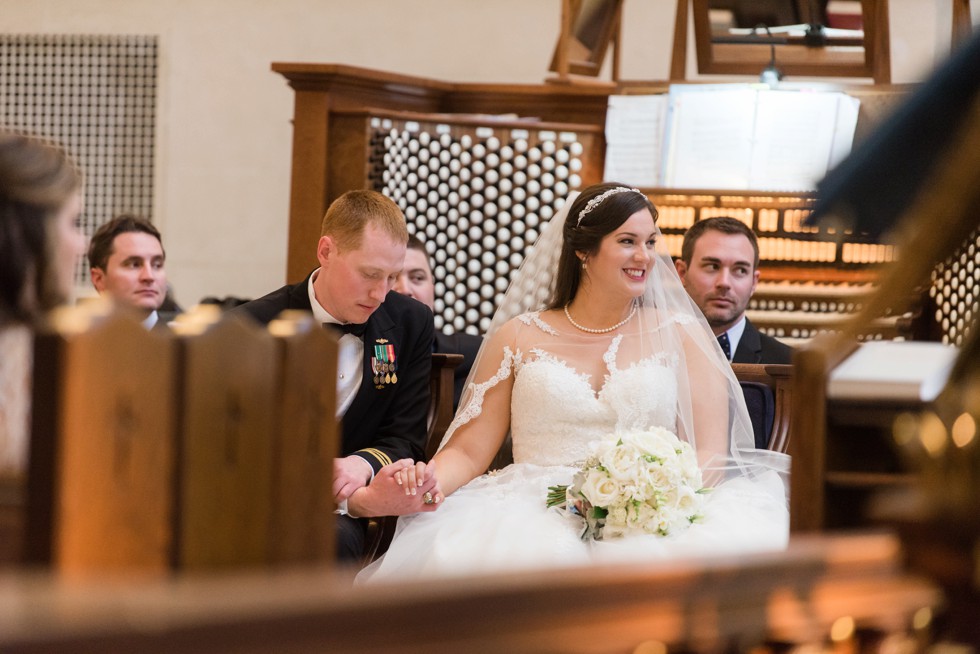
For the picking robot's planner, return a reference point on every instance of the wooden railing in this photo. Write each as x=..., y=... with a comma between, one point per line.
x=849, y=587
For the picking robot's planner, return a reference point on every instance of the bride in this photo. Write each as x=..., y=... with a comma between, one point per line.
x=595, y=336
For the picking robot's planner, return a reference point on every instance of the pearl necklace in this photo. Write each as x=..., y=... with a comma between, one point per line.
x=600, y=331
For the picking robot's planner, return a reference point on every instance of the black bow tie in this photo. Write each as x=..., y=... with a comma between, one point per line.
x=348, y=328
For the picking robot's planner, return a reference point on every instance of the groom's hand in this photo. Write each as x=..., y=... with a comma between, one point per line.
x=349, y=474
x=386, y=496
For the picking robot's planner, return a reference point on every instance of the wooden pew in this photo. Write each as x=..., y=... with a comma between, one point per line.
x=441, y=384
x=102, y=456
x=11, y=519
x=225, y=441
x=302, y=520
x=154, y=452
x=778, y=379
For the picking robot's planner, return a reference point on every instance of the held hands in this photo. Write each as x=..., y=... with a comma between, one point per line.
x=416, y=476
x=349, y=474
x=401, y=488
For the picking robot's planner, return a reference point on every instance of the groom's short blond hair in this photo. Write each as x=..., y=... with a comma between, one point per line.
x=349, y=214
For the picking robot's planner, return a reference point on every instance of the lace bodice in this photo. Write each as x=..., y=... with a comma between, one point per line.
x=569, y=389
x=555, y=412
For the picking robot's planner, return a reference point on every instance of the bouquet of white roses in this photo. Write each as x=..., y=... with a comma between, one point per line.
x=635, y=482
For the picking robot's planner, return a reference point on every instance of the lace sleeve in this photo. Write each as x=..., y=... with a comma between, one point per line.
x=472, y=400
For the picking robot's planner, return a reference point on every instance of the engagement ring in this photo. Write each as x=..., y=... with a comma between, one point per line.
x=427, y=497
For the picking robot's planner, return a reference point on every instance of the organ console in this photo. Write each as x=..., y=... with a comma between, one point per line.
x=478, y=168
x=477, y=191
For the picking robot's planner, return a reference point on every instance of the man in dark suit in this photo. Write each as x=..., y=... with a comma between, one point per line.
x=385, y=350
x=719, y=267
x=416, y=281
x=127, y=265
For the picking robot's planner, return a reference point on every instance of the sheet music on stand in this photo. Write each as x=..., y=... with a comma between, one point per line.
x=729, y=136
x=634, y=139
x=751, y=137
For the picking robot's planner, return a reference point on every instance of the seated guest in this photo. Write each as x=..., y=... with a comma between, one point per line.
x=719, y=267
x=40, y=200
x=385, y=352
x=416, y=281
x=127, y=260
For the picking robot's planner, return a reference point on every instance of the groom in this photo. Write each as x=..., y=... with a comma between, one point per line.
x=384, y=354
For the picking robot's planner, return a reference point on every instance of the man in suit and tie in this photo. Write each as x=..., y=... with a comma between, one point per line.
x=127, y=265
x=416, y=281
x=385, y=350
x=719, y=267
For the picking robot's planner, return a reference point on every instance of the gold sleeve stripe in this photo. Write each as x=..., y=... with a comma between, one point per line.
x=378, y=454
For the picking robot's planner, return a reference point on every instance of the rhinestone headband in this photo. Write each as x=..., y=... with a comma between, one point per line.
x=597, y=200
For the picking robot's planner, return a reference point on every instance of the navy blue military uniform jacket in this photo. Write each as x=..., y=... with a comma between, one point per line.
x=386, y=421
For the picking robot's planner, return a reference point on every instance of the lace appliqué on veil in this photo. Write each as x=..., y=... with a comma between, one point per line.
x=474, y=393
x=535, y=319
x=683, y=318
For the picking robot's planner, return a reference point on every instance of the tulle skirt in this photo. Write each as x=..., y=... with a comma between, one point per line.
x=499, y=523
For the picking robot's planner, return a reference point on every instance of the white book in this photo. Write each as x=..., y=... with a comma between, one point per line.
x=893, y=370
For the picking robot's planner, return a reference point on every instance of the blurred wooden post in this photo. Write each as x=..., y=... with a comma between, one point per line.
x=678, y=57
x=229, y=373
x=962, y=22
x=564, y=39
x=102, y=459
x=302, y=520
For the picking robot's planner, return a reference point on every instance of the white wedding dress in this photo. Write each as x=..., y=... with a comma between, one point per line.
x=499, y=521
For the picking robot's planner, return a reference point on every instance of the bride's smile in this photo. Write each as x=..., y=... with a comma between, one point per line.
x=622, y=263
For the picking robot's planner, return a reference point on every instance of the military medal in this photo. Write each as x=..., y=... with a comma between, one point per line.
x=384, y=363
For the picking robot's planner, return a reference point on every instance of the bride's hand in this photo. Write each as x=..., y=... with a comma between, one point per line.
x=422, y=474
x=411, y=478
x=386, y=495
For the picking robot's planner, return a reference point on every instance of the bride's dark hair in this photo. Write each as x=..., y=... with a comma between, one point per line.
x=584, y=235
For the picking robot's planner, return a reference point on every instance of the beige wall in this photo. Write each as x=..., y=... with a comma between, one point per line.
x=223, y=147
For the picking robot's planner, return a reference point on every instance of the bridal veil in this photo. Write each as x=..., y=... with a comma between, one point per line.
x=710, y=407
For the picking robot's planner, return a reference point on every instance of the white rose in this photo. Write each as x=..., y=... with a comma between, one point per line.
x=622, y=463
x=689, y=465
x=617, y=517
x=687, y=500
x=658, y=442
x=599, y=488
x=660, y=478
x=646, y=514
x=600, y=448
